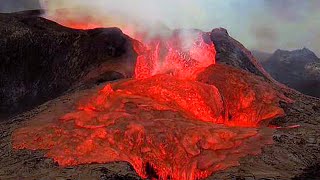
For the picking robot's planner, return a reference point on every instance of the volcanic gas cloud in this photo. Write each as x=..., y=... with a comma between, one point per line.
x=182, y=115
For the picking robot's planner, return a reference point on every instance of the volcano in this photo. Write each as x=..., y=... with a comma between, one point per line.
x=190, y=110
x=170, y=75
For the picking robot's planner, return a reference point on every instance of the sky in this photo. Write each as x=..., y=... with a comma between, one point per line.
x=264, y=25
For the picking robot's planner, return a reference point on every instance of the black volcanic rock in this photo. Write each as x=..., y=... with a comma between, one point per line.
x=298, y=69
x=40, y=59
x=232, y=52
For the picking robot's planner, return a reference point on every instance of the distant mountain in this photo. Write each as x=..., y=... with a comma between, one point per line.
x=260, y=55
x=18, y=5
x=298, y=69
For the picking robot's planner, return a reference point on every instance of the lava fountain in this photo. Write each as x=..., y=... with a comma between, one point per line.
x=182, y=115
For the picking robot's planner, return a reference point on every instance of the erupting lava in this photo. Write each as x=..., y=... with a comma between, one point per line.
x=181, y=115
x=182, y=58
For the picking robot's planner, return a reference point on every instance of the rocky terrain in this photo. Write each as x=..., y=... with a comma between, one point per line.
x=76, y=63
x=40, y=59
x=298, y=69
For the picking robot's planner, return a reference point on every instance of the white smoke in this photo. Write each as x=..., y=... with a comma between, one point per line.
x=283, y=23
x=153, y=16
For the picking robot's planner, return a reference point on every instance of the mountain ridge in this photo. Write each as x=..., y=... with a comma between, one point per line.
x=298, y=69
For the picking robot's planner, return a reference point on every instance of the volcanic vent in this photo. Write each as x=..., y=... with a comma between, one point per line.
x=182, y=115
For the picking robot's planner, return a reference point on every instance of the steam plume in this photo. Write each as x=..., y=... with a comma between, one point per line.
x=259, y=24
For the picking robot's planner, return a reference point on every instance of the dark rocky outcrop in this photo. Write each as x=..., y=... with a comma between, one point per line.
x=232, y=52
x=41, y=59
x=298, y=69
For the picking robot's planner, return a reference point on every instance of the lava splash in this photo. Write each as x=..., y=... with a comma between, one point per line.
x=182, y=116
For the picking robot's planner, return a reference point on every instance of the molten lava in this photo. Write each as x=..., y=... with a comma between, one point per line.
x=182, y=115
x=182, y=58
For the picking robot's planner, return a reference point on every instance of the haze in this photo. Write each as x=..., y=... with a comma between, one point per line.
x=265, y=25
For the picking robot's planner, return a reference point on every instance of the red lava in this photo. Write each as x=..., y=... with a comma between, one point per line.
x=182, y=115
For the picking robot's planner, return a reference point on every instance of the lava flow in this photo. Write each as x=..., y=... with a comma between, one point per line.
x=182, y=115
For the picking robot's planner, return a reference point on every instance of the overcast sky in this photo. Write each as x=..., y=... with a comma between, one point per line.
x=265, y=25
x=18, y=5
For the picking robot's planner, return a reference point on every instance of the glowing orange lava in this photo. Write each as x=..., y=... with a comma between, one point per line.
x=182, y=115
x=182, y=58
x=162, y=121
